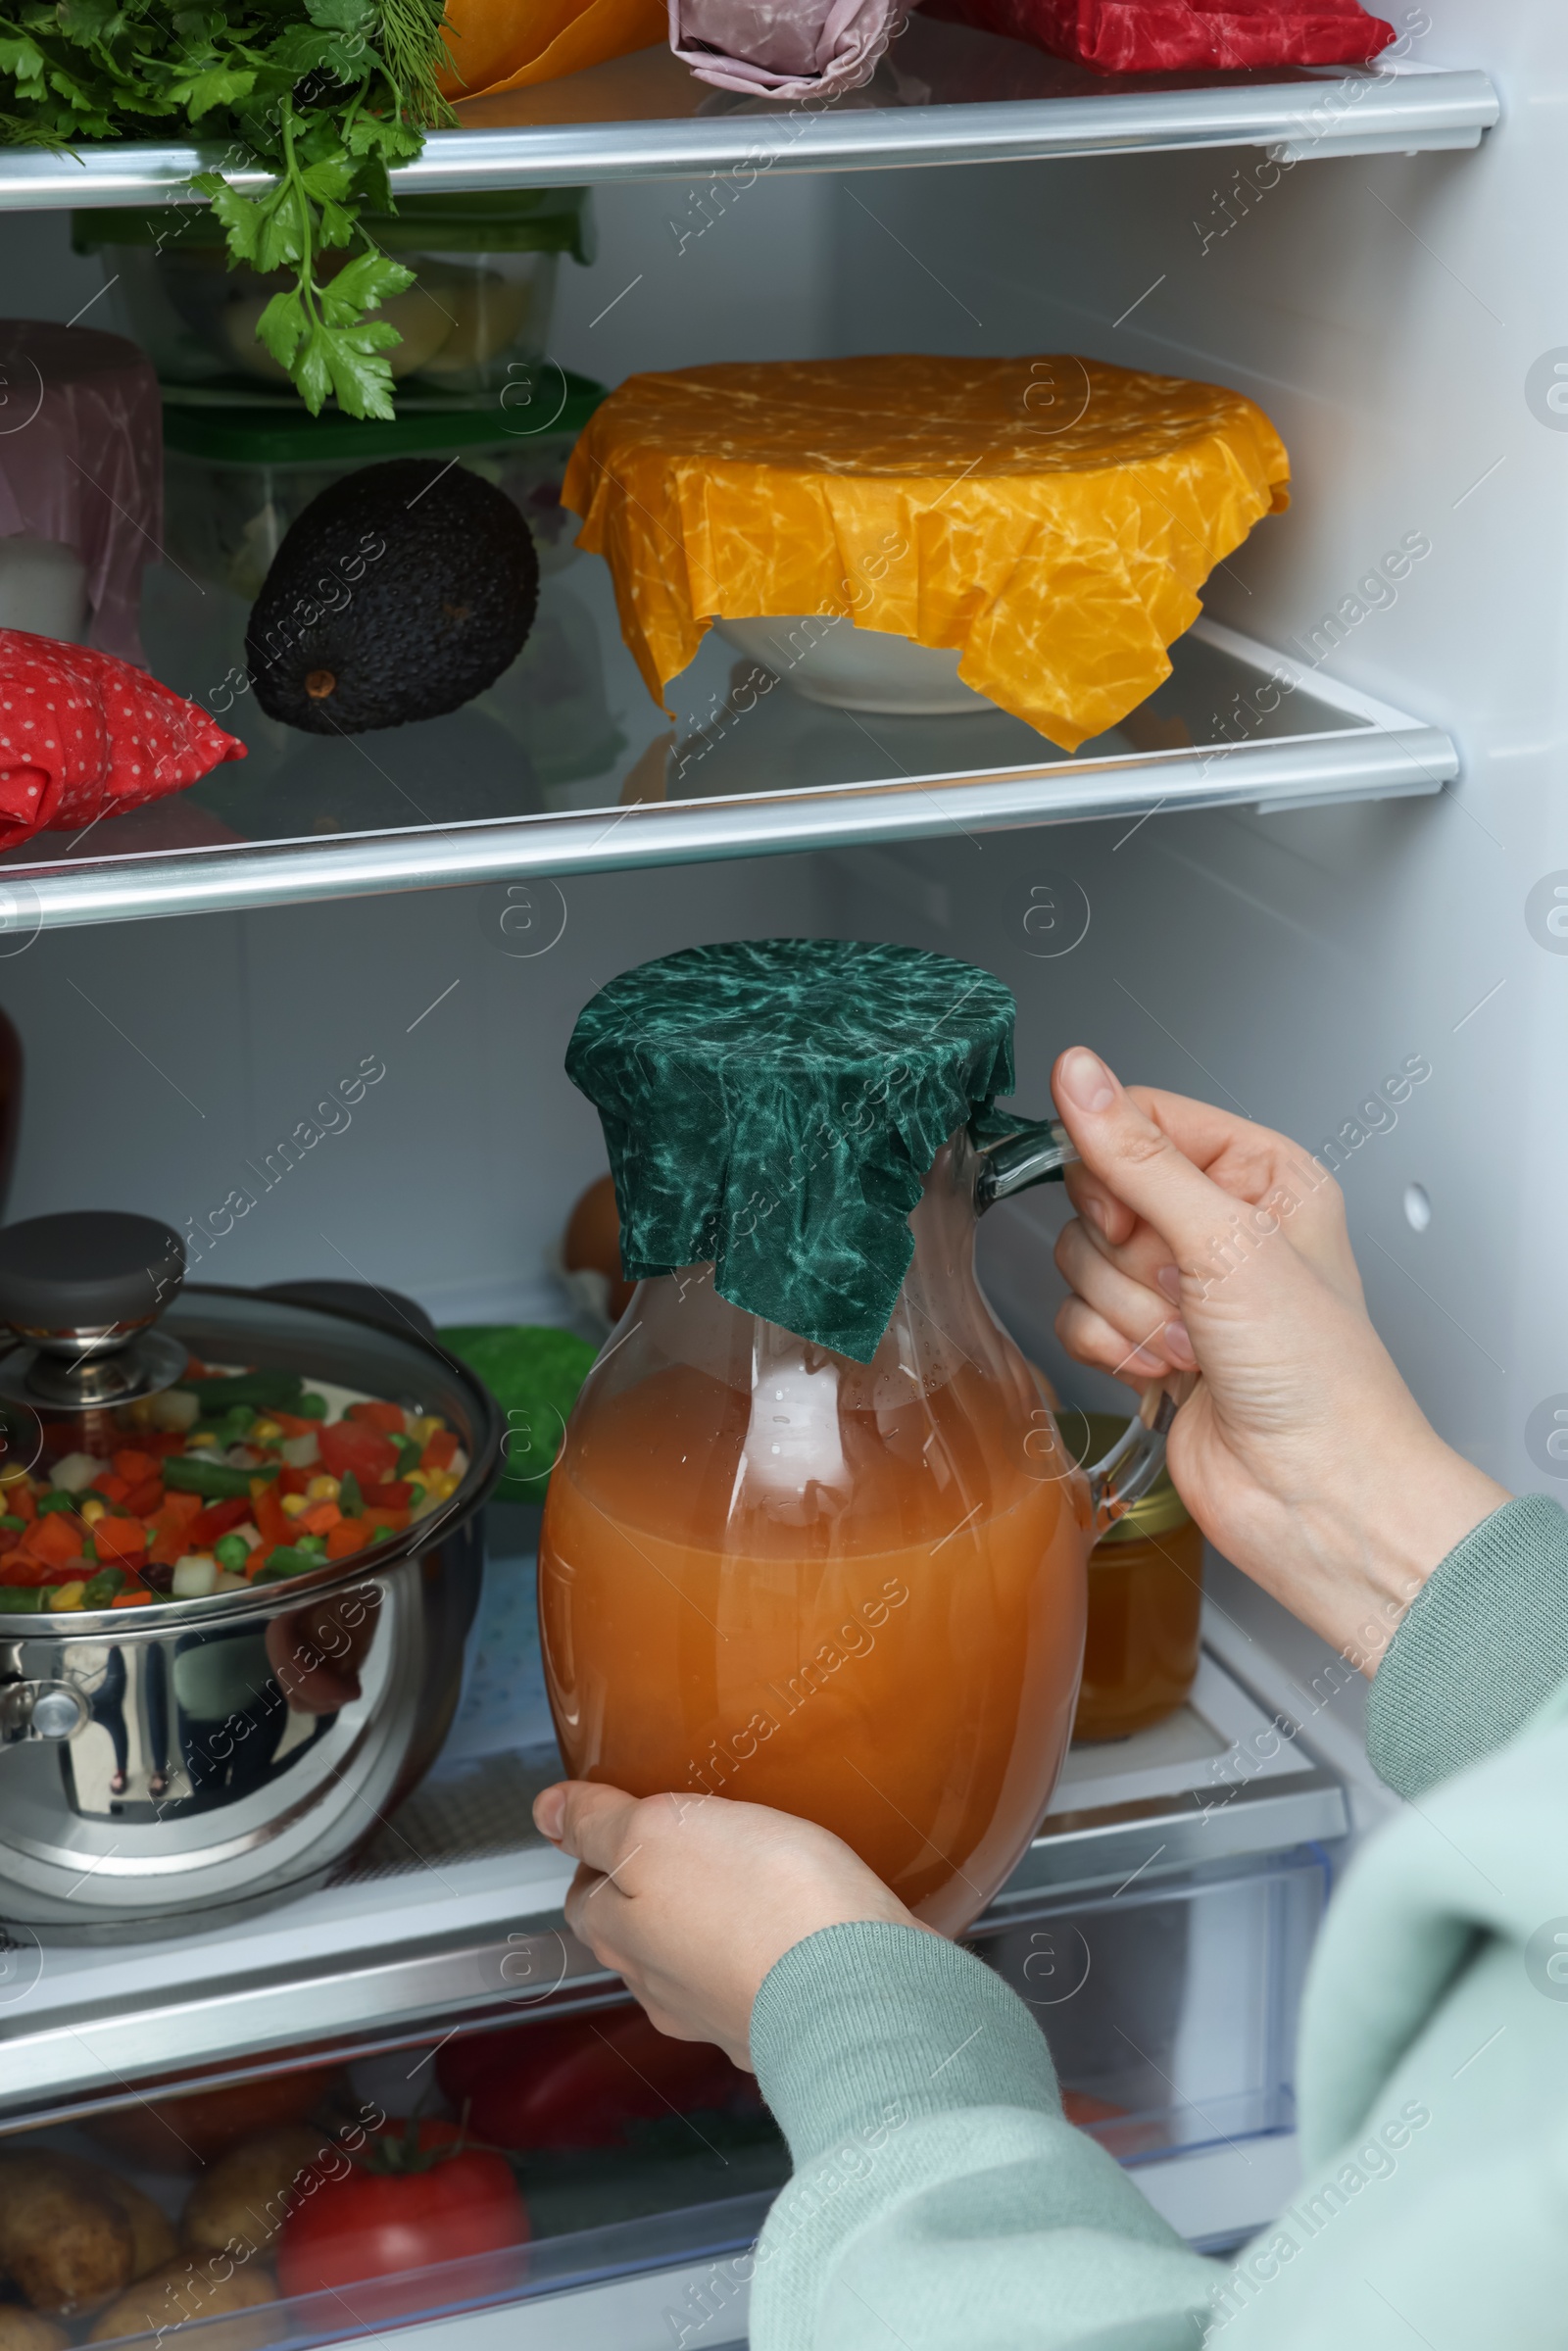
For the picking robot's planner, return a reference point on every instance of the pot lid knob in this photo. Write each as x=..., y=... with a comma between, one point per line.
x=88, y=1270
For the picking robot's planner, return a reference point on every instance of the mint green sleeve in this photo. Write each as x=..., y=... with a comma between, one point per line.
x=941, y=2200
x=1482, y=1646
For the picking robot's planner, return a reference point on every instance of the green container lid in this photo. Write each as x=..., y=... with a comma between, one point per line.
x=559, y=404
x=510, y=221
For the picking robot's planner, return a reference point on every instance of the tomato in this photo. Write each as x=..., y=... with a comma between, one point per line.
x=414, y=2198
x=350, y=1444
x=578, y=2082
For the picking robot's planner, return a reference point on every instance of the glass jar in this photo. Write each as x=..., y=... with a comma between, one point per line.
x=1146, y=1597
x=853, y=1590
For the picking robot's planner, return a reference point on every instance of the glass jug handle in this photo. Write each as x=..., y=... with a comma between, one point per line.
x=1138, y=1457
x=1015, y=1152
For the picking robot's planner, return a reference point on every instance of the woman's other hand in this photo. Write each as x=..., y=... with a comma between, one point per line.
x=1205, y=1241
x=692, y=1898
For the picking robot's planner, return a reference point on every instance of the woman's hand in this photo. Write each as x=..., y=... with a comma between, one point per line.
x=1202, y=1241
x=692, y=1898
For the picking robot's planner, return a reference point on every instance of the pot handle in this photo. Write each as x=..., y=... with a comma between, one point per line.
x=1015, y=1152
x=1138, y=1457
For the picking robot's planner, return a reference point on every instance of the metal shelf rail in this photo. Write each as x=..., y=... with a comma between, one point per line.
x=1236, y=725
x=945, y=95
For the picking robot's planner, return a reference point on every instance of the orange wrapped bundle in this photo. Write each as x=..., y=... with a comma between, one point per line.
x=510, y=44
x=1052, y=519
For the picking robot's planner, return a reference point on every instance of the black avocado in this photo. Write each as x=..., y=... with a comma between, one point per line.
x=400, y=593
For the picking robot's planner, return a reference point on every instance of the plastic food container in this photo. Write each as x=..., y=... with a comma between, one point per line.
x=234, y=479
x=1146, y=1596
x=480, y=305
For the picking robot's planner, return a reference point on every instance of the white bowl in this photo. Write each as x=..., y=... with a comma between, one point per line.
x=854, y=668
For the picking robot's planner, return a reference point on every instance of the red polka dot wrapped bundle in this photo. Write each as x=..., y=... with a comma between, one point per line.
x=82, y=736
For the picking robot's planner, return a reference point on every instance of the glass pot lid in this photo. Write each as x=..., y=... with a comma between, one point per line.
x=321, y=1426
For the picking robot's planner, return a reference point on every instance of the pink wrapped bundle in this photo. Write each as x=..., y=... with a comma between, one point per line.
x=782, y=48
x=1167, y=36
x=81, y=461
x=83, y=736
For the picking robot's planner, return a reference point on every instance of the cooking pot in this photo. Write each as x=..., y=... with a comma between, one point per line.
x=168, y=1764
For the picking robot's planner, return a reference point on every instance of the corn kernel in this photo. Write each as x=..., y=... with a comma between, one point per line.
x=322, y=1489
x=66, y=1595
x=200, y=1437
x=92, y=1512
x=295, y=1505
x=263, y=1431
x=423, y=1427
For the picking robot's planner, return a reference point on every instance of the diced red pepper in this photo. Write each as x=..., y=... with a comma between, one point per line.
x=375, y=1415
x=439, y=1452
x=119, y=1540
x=215, y=1520
x=351, y=1445
x=195, y=1369
x=111, y=1488
x=396, y=1495
x=293, y=1481
x=319, y=1519
x=133, y=1465
x=273, y=1522
x=30, y=1575
x=170, y=1531
x=349, y=1535
x=397, y=1520
x=290, y=1422
x=146, y=1500
x=17, y=1498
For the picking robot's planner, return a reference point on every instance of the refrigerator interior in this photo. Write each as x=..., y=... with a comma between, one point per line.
x=1393, y=315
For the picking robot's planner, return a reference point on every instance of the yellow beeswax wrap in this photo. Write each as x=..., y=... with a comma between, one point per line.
x=1052, y=518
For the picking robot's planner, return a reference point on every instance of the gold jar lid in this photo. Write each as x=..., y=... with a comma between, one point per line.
x=1089, y=1437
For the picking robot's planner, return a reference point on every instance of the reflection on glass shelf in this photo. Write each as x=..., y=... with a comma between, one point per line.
x=566, y=763
x=945, y=93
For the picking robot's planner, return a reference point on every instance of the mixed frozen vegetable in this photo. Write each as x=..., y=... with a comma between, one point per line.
x=230, y=1479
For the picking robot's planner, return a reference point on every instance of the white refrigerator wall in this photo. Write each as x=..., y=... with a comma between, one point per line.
x=1400, y=320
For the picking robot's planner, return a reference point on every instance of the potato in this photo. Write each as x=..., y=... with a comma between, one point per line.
x=184, y=2132
x=153, y=2241
x=63, y=2241
x=192, y=2287
x=246, y=2197
x=27, y=2330
x=152, y=2235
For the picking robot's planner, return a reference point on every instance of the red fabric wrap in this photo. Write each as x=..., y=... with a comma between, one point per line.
x=1163, y=36
x=82, y=735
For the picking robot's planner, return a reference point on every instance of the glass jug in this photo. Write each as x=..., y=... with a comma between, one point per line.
x=855, y=1591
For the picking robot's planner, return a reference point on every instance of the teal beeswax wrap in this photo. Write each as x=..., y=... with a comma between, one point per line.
x=773, y=1106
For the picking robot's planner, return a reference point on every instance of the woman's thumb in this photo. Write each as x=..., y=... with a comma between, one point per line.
x=1135, y=1159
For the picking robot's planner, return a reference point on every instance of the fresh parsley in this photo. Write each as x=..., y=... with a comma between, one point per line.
x=325, y=94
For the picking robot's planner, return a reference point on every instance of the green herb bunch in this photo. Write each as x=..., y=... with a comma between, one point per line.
x=325, y=94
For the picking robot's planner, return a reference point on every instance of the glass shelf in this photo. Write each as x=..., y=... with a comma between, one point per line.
x=340, y=1973
x=568, y=766
x=943, y=94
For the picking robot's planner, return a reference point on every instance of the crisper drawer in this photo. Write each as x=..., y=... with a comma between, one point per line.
x=1172, y=2005
x=588, y=2182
